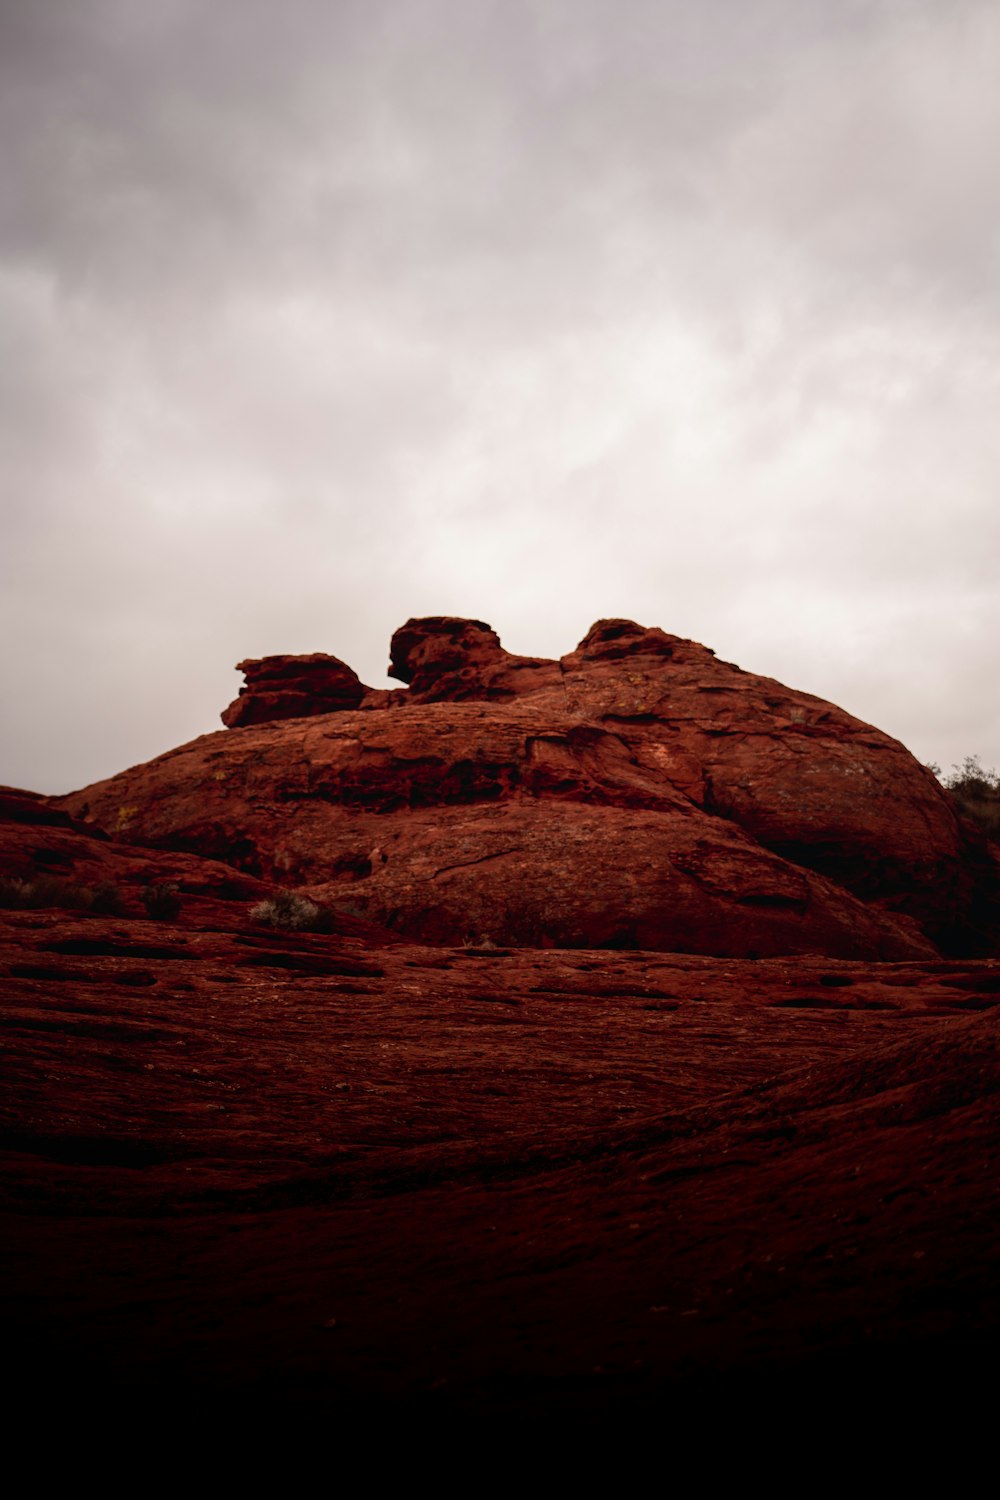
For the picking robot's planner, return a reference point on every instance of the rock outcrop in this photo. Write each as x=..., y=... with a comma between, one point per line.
x=637, y=792
x=292, y=687
x=445, y=659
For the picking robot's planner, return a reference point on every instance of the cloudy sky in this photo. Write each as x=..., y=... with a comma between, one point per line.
x=319, y=315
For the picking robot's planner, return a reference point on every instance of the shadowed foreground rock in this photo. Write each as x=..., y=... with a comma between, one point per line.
x=636, y=793
x=257, y=1174
x=262, y=1175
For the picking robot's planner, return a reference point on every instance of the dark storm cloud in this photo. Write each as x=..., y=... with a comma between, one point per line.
x=323, y=315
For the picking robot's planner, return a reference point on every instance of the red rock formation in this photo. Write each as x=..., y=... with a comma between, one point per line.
x=292, y=687
x=637, y=792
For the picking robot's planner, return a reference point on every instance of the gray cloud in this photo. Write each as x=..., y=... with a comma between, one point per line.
x=319, y=316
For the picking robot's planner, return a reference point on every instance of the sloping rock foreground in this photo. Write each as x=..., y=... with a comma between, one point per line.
x=247, y=1173
x=636, y=793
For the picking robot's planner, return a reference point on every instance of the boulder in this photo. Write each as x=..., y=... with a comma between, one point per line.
x=445, y=659
x=292, y=687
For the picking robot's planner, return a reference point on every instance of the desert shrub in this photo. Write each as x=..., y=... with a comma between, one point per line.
x=162, y=901
x=975, y=792
x=14, y=892
x=11, y=892
x=106, y=900
x=971, y=781
x=292, y=913
x=24, y=893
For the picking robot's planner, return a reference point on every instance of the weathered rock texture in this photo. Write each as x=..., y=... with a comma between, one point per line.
x=292, y=687
x=246, y=1172
x=638, y=792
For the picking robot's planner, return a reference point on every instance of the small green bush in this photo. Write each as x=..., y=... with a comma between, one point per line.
x=162, y=901
x=290, y=912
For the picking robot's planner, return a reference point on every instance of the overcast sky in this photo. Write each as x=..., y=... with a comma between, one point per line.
x=319, y=315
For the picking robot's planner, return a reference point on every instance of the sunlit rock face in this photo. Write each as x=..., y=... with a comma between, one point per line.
x=636, y=792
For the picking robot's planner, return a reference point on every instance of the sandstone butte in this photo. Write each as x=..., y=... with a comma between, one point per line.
x=367, y=1178
x=637, y=793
